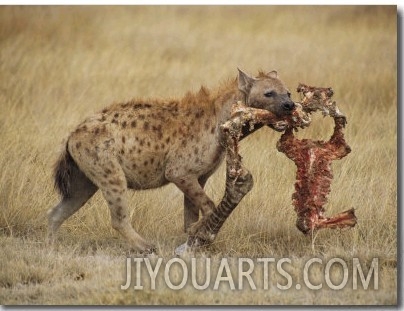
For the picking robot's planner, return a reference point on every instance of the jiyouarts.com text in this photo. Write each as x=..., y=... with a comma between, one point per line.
x=258, y=273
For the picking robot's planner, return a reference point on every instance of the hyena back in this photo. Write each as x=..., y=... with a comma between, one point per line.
x=145, y=144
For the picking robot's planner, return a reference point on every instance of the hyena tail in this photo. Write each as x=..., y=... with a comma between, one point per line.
x=63, y=173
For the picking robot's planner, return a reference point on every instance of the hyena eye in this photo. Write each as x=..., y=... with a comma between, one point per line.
x=269, y=93
x=289, y=94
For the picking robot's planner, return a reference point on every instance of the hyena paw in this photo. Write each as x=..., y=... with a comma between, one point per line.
x=193, y=244
x=182, y=249
x=149, y=250
x=145, y=249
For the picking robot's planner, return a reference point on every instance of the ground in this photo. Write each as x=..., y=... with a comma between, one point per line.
x=60, y=64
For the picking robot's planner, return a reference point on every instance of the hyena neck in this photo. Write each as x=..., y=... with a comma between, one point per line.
x=226, y=101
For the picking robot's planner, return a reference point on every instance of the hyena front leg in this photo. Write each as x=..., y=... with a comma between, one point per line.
x=195, y=197
x=191, y=211
x=205, y=230
x=194, y=193
x=239, y=182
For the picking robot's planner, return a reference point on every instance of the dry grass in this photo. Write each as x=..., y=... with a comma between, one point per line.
x=59, y=64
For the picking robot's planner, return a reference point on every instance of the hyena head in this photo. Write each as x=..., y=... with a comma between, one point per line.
x=266, y=92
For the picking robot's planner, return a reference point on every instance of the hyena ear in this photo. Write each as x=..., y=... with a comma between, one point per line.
x=244, y=81
x=273, y=74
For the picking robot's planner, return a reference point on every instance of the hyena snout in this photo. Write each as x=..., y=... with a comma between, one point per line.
x=288, y=105
x=284, y=106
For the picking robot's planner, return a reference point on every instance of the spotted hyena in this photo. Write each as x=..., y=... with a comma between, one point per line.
x=145, y=144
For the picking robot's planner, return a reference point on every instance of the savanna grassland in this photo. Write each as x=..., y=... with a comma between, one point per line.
x=61, y=64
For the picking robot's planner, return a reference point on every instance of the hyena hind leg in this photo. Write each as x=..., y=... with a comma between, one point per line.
x=81, y=189
x=120, y=217
x=115, y=191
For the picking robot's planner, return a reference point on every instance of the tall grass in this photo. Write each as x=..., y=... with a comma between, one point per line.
x=60, y=64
